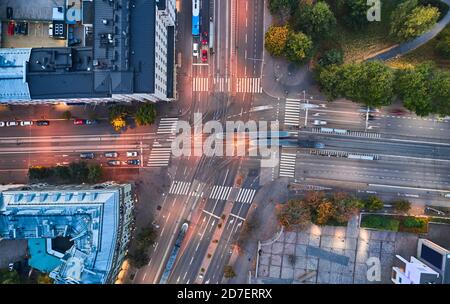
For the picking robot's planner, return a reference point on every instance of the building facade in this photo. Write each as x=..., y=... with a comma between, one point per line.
x=94, y=223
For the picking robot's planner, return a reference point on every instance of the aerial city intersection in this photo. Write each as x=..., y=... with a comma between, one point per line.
x=225, y=142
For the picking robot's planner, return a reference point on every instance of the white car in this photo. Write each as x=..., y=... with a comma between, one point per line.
x=195, y=50
x=12, y=123
x=132, y=154
x=2, y=124
x=25, y=123
x=320, y=122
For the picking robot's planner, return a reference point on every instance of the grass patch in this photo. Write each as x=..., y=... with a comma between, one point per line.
x=358, y=45
x=426, y=52
x=380, y=222
x=395, y=223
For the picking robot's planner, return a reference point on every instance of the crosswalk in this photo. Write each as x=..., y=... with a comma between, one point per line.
x=220, y=192
x=245, y=195
x=292, y=113
x=200, y=84
x=346, y=132
x=287, y=165
x=248, y=85
x=178, y=187
x=159, y=156
x=160, y=153
x=222, y=84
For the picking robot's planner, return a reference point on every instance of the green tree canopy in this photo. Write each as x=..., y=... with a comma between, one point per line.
x=316, y=20
x=417, y=22
x=353, y=13
x=298, y=47
x=146, y=114
x=275, y=40
x=373, y=203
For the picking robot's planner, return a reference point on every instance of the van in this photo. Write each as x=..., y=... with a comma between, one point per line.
x=195, y=50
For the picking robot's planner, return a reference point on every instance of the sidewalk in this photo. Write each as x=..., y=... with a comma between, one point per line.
x=280, y=78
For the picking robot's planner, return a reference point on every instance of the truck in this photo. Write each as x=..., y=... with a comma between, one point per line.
x=174, y=253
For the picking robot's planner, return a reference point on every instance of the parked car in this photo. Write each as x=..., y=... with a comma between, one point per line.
x=133, y=162
x=132, y=154
x=320, y=122
x=204, y=55
x=111, y=154
x=11, y=27
x=87, y=155
x=79, y=122
x=12, y=123
x=90, y=121
x=42, y=123
x=398, y=112
x=195, y=50
x=114, y=162
x=25, y=123
x=2, y=124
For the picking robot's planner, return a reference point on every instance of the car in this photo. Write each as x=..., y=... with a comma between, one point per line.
x=11, y=26
x=11, y=266
x=25, y=123
x=12, y=123
x=204, y=55
x=205, y=38
x=371, y=110
x=42, y=123
x=195, y=50
x=111, y=154
x=50, y=29
x=2, y=124
x=91, y=121
x=370, y=116
x=114, y=162
x=319, y=122
x=133, y=162
x=79, y=122
x=87, y=155
x=132, y=154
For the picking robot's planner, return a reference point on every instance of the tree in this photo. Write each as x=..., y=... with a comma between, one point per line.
x=316, y=20
x=278, y=6
x=67, y=115
x=298, y=47
x=95, y=173
x=332, y=56
x=43, y=278
x=325, y=212
x=146, y=237
x=9, y=277
x=228, y=272
x=117, y=116
x=370, y=83
x=346, y=206
x=402, y=205
x=294, y=214
x=413, y=87
x=146, y=114
x=420, y=20
x=139, y=257
x=373, y=203
x=353, y=13
x=400, y=15
x=443, y=43
x=275, y=40
x=39, y=173
x=440, y=90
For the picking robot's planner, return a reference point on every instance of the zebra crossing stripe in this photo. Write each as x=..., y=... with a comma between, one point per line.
x=287, y=165
x=200, y=84
x=248, y=85
x=245, y=195
x=292, y=113
x=159, y=156
x=220, y=192
x=179, y=187
x=167, y=126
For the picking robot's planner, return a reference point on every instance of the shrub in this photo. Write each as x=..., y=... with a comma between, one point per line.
x=402, y=205
x=413, y=222
x=373, y=203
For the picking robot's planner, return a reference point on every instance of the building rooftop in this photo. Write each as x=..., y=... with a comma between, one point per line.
x=12, y=74
x=90, y=217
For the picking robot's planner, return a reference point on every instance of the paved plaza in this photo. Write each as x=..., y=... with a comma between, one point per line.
x=331, y=255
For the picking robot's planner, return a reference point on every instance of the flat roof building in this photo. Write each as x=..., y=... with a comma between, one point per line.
x=127, y=53
x=77, y=233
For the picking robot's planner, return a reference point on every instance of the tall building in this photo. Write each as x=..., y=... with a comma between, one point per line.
x=77, y=233
x=93, y=51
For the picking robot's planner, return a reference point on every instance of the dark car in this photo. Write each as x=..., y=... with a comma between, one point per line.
x=9, y=13
x=42, y=123
x=87, y=155
x=133, y=162
x=398, y=112
x=21, y=28
x=204, y=38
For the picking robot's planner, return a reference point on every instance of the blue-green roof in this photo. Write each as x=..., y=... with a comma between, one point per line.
x=39, y=258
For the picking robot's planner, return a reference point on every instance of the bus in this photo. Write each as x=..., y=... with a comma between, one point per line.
x=195, y=18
